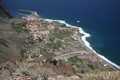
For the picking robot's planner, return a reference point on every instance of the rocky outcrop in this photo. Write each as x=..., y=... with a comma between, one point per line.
x=4, y=13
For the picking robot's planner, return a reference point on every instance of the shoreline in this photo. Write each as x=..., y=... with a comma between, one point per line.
x=85, y=43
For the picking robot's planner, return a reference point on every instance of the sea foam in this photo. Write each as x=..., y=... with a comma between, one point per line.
x=86, y=35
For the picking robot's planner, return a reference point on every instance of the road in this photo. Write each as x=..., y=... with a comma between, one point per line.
x=69, y=55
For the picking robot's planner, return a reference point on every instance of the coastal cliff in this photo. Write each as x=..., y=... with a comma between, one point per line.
x=4, y=13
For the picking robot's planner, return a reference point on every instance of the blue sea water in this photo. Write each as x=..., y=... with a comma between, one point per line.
x=99, y=18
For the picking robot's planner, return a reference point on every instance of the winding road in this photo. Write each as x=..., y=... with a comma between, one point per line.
x=69, y=55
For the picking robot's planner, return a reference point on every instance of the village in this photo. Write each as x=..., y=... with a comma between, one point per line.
x=51, y=39
x=55, y=46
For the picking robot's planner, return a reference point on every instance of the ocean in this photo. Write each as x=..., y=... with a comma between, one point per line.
x=99, y=18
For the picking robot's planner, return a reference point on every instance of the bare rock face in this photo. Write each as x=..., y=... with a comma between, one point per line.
x=4, y=13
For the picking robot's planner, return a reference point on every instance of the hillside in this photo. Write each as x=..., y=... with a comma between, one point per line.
x=9, y=40
x=4, y=13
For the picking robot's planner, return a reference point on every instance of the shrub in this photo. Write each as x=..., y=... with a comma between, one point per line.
x=43, y=51
x=82, y=71
x=55, y=45
x=27, y=73
x=22, y=51
x=45, y=73
x=12, y=24
x=91, y=66
x=33, y=56
x=9, y=66
x=73, y=59
x=77, y=65
x=49, y=55
x=19, y=27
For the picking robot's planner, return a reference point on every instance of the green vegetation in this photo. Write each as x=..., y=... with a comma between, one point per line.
x=78, y=65
x=25, y=56
x=81, y=48
x=49, y=55
x=19, y=27
x=25, y=49
x=82, y=71
x=43, y=51
x=52, y=39
x=45, y=73
x=75, y=59
x=61, y=60
x=58, y=34
x=27, y=73
x=55, y=45
x=31, y=46
x=92, y=66
x=34, y=56
x=59, y=25
x=68, y=44
x=61, y=33
x=22, y=51
x=45, y=24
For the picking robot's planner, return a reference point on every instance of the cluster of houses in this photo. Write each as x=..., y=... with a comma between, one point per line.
x=51, y=27
x=42, y=33
x=38, y=30
x=75, y=33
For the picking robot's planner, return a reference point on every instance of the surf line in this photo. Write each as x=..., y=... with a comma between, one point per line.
x=87, y=44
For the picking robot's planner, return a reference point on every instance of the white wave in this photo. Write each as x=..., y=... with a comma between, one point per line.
x=85, y=41
x=78, y=21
